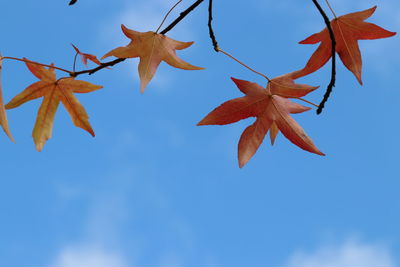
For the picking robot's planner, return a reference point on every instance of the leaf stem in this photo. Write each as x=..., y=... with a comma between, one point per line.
x=181, y=16
x=241, y=63
x=216, y=46
x=299, y=98
x=73, y=67
x=165, y=17
x=309, y=102
x=329, y=5
x=37, y=63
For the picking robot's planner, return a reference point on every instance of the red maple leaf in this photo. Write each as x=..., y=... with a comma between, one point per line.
x=348, y=29
x=272, y=110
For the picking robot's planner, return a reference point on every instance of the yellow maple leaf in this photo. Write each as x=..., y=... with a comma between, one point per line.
x=53, y=91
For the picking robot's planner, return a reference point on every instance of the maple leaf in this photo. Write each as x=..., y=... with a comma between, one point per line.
x=85, y=57
x=151, y=48
x=348, y=29
x=53, y=92
x=272, y=109
x=3, y=114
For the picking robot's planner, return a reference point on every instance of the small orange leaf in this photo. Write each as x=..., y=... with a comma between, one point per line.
x=53, y=92
x=151, y=48
x=85, y=57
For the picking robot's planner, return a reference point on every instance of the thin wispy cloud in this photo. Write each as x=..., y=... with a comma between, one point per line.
x=103, y=242
x=89, y=256
x=348, y=254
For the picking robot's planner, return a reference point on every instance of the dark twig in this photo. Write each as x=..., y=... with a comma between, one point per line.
x=210, y=28
x=118, y=60
x=333, y=72
x=102, y=66
x=216, y=46
x=181, y=16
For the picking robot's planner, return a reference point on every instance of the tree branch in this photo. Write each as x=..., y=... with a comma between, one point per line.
x=333, y=71
x=181, y=16
x=118, y=60
x=210, y=28
x=102, y=66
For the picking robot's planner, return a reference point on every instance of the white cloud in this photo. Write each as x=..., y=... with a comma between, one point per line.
x=110, y=208
x=98, y=246
x=143, y=16
x=348, y=254
x=88, y=257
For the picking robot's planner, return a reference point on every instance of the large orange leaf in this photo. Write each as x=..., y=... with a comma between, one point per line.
x=3, y=115
x=272, y=109
x=348, y=29
x=53, y=92
x=151, y=48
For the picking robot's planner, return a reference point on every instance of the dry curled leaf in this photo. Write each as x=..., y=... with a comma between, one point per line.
x=151, y=48
x=272, y=110
x=3, y=114
x=85, y=57
x=53, y=92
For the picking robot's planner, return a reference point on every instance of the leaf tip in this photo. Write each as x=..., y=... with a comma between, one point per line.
x=8, y=133
x=125, y=30
x=358, y=76
x=201, y=123
x=39, y=146
x=6, y=129
x=76, y=48
x=242, y=161
x=236, y=81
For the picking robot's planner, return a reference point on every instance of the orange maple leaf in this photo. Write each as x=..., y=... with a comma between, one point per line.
x=348, y=29
x=151, y=48
x=3, y=114
x=53, y=91
x=272, y=109
x=85, y=57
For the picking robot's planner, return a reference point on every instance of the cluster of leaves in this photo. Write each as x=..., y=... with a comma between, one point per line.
x=270, y=105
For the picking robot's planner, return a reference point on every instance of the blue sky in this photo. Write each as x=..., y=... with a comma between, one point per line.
x=154, y=190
